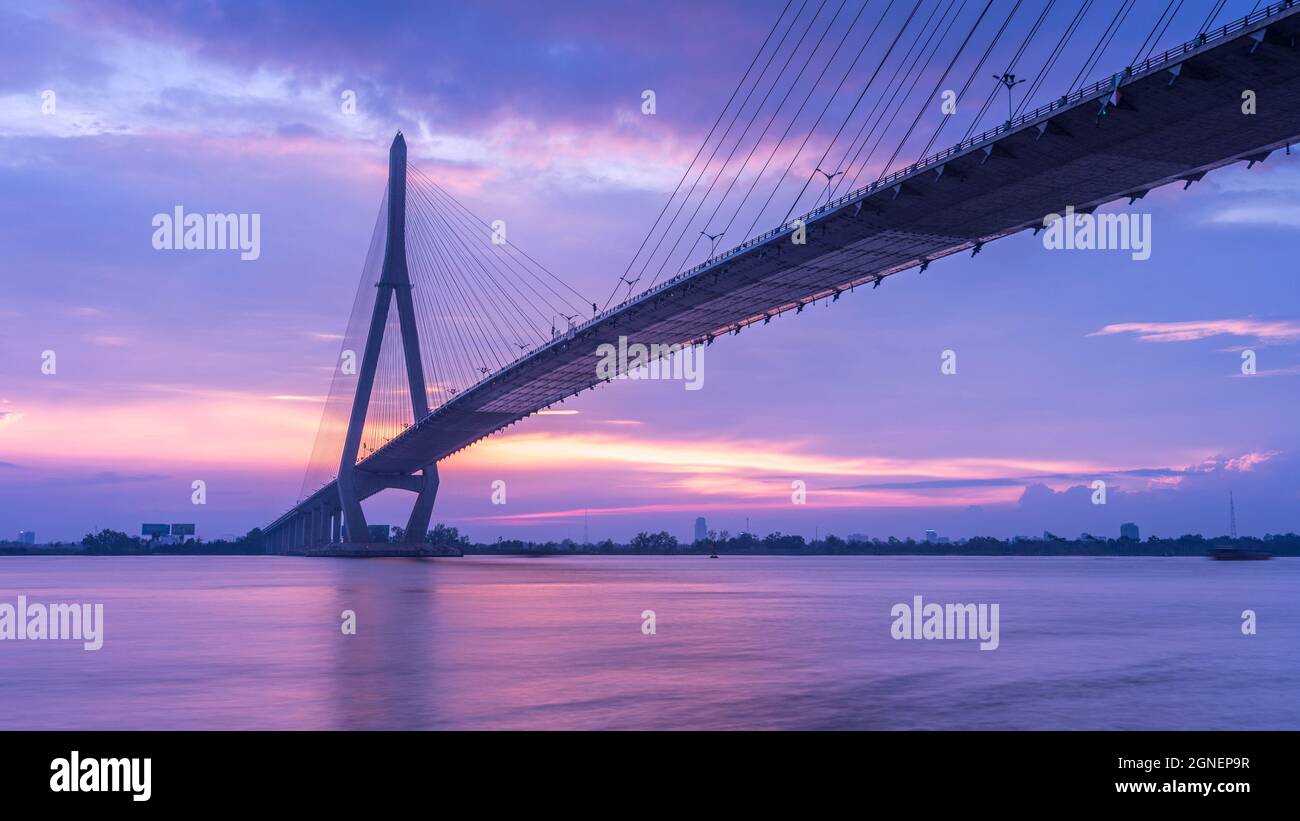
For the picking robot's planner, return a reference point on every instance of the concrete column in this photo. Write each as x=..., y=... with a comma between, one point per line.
x=418, y=523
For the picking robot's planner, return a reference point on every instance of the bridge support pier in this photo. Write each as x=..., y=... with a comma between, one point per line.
x=320, y=532
x=418, y=523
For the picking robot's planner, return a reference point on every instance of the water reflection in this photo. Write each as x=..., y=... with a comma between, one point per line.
x=781, y=642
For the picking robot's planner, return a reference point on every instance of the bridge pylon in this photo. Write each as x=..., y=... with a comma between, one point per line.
x=354, y=483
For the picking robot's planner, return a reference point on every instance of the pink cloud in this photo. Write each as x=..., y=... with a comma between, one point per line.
x=1264, y=330
x=1249, y=461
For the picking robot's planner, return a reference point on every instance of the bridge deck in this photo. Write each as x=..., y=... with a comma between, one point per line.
x=1165, y=128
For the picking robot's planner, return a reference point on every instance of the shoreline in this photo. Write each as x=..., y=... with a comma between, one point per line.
x=1139, y=554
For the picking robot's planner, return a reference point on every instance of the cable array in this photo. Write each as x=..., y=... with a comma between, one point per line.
x=872, y=85
x=854, y=80
x=480, y=303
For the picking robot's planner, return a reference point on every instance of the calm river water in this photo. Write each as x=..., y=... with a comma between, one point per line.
x=740, y=642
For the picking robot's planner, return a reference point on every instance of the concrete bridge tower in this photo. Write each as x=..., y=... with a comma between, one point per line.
x=394, y=284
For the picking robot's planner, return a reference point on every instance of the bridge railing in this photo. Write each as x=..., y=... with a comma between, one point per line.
x=1106, y=85
x=1103, y=86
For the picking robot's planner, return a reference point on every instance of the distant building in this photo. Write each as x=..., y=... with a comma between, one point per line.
x=931, y=537
x=27, y=537
x=855, y=537
x=701, y=529
x=1129, y=531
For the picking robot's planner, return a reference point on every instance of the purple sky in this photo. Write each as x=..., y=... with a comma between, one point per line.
x=171, y=367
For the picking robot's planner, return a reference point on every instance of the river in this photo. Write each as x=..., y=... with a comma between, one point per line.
x=739, y=642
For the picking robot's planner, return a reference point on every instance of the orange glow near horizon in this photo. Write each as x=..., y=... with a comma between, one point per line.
x=626, y=469
x=224, y=429
x=723, y=457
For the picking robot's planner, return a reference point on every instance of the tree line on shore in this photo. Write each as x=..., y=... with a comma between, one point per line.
x=114, y=542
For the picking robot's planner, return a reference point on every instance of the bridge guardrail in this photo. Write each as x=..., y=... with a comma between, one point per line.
x=1068, y=100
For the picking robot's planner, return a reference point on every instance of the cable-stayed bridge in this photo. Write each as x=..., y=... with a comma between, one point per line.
x=457, y=334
